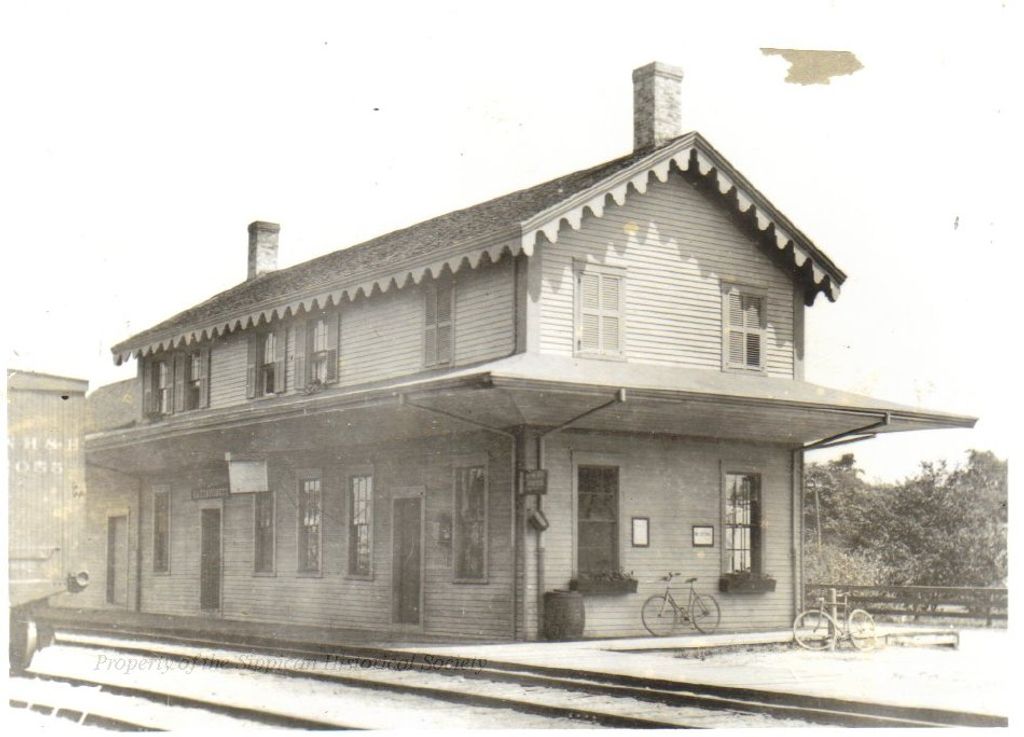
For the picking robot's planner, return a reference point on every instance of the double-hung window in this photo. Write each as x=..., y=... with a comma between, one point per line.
x=161, y=529
x=470, y=528
x=164, y=387
x=197, y=380
x=263, y=532
x=597, y=547
x=266, y=363
x=438, y=323
x=743, y=327
x=310, y=523
x=600, y=320
x=360, y=525
x=742, y=523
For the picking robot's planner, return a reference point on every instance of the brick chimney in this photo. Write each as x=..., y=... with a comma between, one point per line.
x=262, y=248
x=656, y=108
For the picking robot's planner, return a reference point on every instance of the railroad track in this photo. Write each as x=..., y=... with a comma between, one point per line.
x=596, y=699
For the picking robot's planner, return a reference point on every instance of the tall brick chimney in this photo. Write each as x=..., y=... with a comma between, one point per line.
x=656, y=108
x=262, y=248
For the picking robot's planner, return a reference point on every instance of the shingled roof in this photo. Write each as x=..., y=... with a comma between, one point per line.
x=512, y=222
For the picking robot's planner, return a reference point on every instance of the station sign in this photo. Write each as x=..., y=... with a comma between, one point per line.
x=534, y=482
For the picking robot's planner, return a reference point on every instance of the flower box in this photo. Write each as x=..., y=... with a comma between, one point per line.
x=604, y=585
x=745, y=584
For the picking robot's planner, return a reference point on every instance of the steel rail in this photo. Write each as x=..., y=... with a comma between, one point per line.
x=809, y=708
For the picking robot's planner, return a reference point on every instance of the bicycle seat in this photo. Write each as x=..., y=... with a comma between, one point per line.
x=691, y=580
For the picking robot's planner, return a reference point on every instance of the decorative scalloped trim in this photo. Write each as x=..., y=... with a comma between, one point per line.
x=547, y=223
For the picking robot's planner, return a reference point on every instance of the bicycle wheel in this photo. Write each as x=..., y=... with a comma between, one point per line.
x=815, y=630
x=659, y=616
x=705, y=613
x=861, y=626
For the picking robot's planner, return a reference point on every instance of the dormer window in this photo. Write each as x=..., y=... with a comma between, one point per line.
x=743, y=328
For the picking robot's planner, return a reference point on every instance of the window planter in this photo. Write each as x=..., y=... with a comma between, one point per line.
x=745, y=584
x=604, y=586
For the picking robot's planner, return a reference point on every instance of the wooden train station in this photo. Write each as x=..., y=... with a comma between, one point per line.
x=580, y=385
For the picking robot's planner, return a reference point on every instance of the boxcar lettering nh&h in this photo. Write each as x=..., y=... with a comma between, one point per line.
x=343, y=442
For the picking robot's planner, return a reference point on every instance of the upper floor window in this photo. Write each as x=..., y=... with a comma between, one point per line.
x=470, y=529
x=164, y=388
x=438, y=327
x=360, y=525
x=310, y=523
x=742, y=523
x=266, y=363
x=316, y=340
x=197, y=381
x=600, y=311
x=743, y=323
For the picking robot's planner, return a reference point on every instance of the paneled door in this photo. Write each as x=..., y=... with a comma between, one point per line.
x=408, y=559
x=117, y=560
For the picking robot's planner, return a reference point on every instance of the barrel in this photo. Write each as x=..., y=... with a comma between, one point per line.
x=564, y=617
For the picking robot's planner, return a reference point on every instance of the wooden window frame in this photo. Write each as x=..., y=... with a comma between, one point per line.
x=302, y=477
x=160, y=391
x=430, y=306
x=273, y=535
x=591, y=460
x=744, y=290
x=196, y=388
x=757, y=542
x=603, y=271
x=358, y=473
x=461, y=463
x=257, y=362
x=162, y=491
x=307, y=354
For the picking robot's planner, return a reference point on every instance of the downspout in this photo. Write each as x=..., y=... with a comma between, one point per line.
x=513, y=481
x=138, y=533
x=797, y=461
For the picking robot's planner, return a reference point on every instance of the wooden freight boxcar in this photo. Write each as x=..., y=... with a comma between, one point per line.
x=46, y=497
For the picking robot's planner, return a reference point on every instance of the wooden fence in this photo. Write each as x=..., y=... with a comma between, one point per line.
x=921, y=601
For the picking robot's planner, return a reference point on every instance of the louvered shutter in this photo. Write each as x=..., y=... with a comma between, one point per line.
x=599, y=318
x=302, y=354
x=204, y=377
x=252, y=366
x=180, y=368
x=744, y=332
x=280, y=360
x=445, y=295
x=430, y=327
x=147, y=388
x=333, y=340
x=735, y=330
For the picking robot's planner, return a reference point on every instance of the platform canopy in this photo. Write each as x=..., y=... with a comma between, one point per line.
x=539, y=391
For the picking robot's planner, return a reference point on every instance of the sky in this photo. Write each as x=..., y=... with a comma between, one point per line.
x=140, y=139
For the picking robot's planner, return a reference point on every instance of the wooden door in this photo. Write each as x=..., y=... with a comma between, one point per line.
x=209, y=561
x=408, y=580
x=117, y=560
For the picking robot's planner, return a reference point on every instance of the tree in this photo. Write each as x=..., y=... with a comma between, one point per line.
x=942, y=527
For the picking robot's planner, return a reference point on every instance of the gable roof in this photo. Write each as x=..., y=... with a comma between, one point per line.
x=515, y=223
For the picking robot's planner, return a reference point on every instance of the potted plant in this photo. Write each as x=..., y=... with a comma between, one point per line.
x=746, y=582
x=604, y=582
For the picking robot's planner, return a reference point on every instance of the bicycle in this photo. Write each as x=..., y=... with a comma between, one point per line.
x=661, y=614
x=816, y=629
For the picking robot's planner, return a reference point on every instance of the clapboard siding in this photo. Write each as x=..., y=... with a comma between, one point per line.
x=333, y=598
x=677, y=248
x=382, y=336
x=676, y=483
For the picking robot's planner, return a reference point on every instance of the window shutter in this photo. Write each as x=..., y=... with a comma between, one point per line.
x=438, y=331
x=179, y=367
x=590, y=312
x=280, y=360
x=204, y=377
x=301, y=358
x=251, y=372
x=333, y=340
x=744, y=329
x=600, y=325
x=147, y=387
